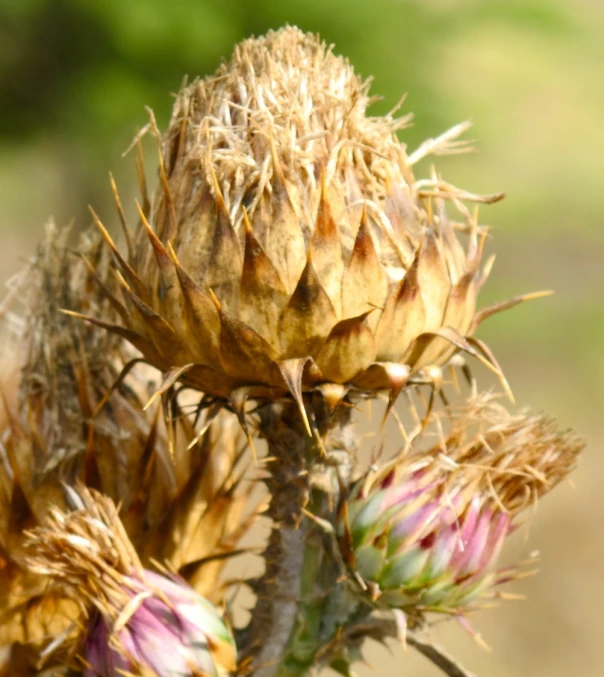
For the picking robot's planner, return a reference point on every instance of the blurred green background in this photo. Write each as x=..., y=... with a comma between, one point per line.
x=75, y=76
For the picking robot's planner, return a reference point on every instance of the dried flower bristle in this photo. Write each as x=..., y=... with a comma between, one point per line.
x=288, y=244
x=519, y=457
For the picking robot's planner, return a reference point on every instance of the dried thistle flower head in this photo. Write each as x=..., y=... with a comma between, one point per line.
x=138, y=621
x=426, y=532
x=288, y=243
x=182, y=497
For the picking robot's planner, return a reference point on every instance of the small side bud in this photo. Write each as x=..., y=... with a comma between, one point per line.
x=138, y=622
x=426, y=533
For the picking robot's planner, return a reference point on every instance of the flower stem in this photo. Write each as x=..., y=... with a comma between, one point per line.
x=306, y=473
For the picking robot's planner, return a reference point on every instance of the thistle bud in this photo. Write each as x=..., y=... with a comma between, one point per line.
x=166, y=627
x=139, y=622
x=426, y=533
x=288, y=243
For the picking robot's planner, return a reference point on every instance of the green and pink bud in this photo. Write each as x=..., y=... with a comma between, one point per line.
x=423, y=543
x=131, y=621
x=425, y=533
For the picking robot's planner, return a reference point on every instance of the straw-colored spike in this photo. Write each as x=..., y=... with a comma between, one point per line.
x=121, y=215
x=494, y=308
x=292, y=371
x=142, y=178
x=168, y=381
x=238, y=399
x=125, y=267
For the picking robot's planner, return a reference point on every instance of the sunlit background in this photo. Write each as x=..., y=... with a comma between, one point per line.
x=75, y=76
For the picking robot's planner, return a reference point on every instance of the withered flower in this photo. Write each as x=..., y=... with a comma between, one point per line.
x=66, y=417
x=289, y=244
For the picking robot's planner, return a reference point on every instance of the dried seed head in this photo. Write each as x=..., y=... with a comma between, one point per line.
x=172, y=485
x=138, y=620
x=288, y=243
x=425, y=534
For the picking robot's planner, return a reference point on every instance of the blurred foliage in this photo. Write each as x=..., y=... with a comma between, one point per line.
x=75, y=74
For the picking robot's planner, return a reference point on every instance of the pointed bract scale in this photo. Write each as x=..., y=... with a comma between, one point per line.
x=308, y=317
x=202, y=319
x=194, y=244
x=223, y=277
x=332, y=394
x=157, y=330
x=390, y=376
x=348, y=351
x=459, y=312
x=244, y=354
x=364, y=285
x=262, y=296
x=424, y=341
x=433, y=279
x=327, y=253
x=404, y=317
x=141, y=343
x=283, y=239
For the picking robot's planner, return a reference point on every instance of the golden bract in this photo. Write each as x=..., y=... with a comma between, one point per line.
x=288, y=243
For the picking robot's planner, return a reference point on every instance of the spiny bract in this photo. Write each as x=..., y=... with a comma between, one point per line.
x=288, y=244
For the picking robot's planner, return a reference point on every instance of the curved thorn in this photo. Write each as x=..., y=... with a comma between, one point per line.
x=170, y=379
x=238, y=399
x=494, y=308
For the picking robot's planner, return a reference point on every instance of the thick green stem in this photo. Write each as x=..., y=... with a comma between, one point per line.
x=286, y=630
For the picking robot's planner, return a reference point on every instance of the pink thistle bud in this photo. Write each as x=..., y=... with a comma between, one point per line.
x=138, y=622
x=165, y=626
x=426, y=534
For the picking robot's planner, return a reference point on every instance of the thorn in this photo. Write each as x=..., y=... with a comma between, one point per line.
x=238, y=399
x=122, y=216
x=170, y=379
x=216, y=301
x=398, y=374
x=292, y=371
